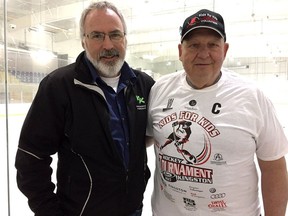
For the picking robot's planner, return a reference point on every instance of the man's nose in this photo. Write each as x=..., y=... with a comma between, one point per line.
x=107, y=43
x=203, y=52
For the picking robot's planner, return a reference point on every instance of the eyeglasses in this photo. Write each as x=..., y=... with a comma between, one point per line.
x=100, y=36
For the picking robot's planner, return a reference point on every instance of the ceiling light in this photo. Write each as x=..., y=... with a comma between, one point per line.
x=42, y=57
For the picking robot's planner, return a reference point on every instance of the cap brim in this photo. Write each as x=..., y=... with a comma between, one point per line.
x=208, y=27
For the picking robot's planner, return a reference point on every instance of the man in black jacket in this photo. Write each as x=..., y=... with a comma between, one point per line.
x=92, y=113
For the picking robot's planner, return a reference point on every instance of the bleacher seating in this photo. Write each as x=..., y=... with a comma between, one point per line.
x=27, y=76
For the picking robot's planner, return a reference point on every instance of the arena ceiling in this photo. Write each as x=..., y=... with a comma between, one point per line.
x=253, y=27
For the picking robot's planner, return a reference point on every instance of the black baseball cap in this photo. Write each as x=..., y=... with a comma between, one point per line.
x=203, y=19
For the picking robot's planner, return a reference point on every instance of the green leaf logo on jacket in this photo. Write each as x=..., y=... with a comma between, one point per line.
x=140, y=99
x=141, y=103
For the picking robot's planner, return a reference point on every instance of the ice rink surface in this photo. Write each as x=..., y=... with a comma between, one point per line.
x=17, y=202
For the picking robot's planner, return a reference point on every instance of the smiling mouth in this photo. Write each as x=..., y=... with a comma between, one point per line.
x=207, y=63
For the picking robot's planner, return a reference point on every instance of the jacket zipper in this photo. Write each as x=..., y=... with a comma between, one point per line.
x=91, y=183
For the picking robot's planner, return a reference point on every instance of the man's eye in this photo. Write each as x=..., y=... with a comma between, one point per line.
x=96, y=36
x=194, y=45
x=213, y=45
x=115, y=36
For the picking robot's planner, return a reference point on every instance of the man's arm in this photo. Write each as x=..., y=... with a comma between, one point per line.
x=41, y=134
x=274, y=183
x=34, y=181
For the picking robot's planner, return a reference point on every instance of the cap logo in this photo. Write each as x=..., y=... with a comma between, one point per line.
x=194, y=21
x=208, y=18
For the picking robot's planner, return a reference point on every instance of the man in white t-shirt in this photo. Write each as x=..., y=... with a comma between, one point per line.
x=208, y=125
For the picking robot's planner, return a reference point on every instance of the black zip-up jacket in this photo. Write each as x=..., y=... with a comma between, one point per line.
x=69, y=116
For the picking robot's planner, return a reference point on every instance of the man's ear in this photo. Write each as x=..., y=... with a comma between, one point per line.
x=179, y=51
x=83, y=43
x=226, y=47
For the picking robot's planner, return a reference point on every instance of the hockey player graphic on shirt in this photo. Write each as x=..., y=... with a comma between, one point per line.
x=180, y=136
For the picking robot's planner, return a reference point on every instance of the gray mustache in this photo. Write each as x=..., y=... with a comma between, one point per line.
x=109, y=53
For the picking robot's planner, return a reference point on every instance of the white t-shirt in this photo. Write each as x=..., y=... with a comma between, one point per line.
x=206, y=142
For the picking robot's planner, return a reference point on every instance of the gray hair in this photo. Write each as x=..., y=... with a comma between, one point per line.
x=100, y=5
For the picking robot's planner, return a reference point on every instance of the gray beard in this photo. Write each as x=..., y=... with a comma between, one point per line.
x=106, y=70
